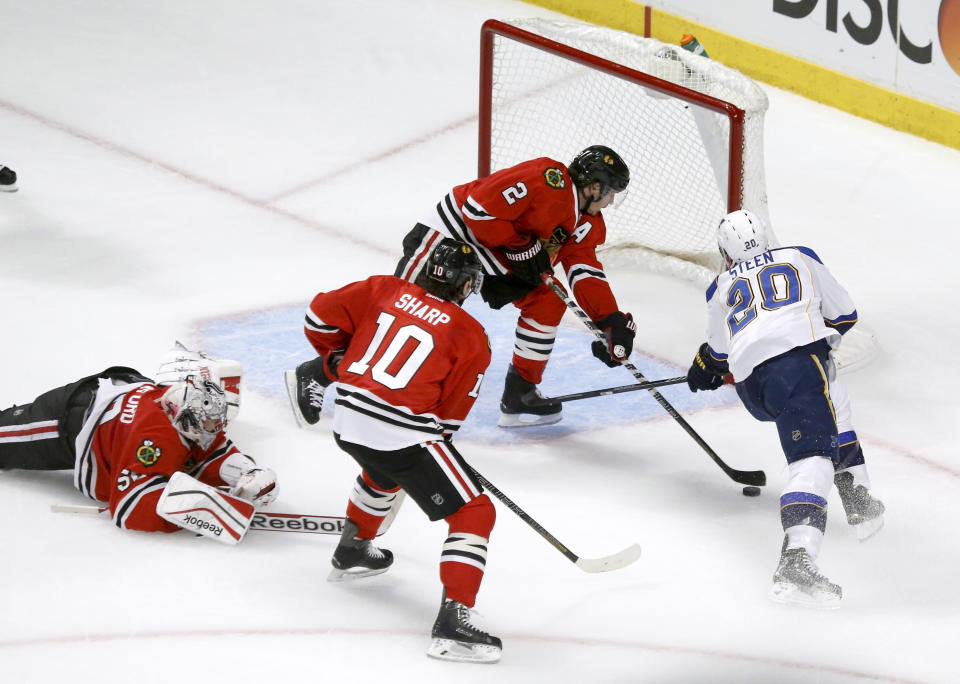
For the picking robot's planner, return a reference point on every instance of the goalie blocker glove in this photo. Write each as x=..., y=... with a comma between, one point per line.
x=200, y=508
x=529, y=261
x=619, y=330
x=706, y=372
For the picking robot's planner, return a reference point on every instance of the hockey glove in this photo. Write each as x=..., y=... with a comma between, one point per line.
x=619, y=330
x=529, y=261
x=258, y=486
x=706, y=372
x=498, y=291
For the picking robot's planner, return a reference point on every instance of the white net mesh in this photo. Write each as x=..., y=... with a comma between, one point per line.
x=547, y=104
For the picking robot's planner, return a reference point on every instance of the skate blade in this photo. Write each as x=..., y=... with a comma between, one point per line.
x=457, y=651
x=790, y=594
x=868, y=528
x=515, y=420
x=290, y=380
x=337, y=575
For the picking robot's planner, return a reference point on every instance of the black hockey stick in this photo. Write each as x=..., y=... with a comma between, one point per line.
x=748, y=477
x=616, y=561
x=649, y=384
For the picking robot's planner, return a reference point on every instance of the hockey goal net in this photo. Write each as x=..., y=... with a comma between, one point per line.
x=689, y=128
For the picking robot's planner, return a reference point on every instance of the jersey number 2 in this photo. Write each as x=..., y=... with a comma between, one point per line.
x=514, y=192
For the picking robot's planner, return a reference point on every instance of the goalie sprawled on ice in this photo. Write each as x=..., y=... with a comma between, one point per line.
x=155, y=452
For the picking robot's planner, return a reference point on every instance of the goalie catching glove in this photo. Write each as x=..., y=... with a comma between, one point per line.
x=618, y=330
x=706, y=372
x=528, y=261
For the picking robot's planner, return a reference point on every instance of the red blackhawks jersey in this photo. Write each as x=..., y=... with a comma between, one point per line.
x=413, y=362
x=128, y=449
x=538, y=198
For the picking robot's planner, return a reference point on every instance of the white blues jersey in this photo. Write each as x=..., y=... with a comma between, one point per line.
x=767, y=305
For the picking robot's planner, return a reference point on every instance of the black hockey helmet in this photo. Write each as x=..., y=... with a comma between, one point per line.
x=450, y=265
x=600, y=164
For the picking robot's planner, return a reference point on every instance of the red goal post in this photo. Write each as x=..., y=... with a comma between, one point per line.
x=689, y=128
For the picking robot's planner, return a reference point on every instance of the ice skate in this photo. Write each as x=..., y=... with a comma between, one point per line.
x=798, y=581
x=355, y=558
x=864, y=512
x=8, y=179
x=305, y=392
x=457, y=638
x=519, y=405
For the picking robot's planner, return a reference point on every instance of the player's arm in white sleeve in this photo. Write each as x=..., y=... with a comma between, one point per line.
x=836, y=305
x=717, y=337
x=710, y=365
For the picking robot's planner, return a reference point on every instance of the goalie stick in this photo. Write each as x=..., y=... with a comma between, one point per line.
x=265, y=521
x=610, y=390
x=615, y=561
x=748, y=477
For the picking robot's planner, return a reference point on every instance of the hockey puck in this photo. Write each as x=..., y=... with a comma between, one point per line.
x=751, y=491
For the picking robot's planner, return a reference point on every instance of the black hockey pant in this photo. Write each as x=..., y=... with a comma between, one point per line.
x=40, y=435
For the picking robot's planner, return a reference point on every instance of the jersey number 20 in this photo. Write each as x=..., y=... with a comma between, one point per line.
x=779, y=286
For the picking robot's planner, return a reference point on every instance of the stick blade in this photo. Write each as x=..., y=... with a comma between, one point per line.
x=608, y=563
x=757, y=478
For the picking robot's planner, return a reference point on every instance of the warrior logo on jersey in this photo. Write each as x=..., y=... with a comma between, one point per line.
x=554, y=178
x=148, y=453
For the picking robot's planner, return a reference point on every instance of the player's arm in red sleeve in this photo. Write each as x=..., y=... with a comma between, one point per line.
x=584, y=271
x=223, y=458
x=592, y=291
x=223, y=465
x=332, y=317
x=462, y=386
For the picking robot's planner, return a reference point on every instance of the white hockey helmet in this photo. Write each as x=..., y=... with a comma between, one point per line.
x=741, y=235
x=197, y=408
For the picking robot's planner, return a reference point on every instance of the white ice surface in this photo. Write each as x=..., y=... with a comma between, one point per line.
x=183, y=164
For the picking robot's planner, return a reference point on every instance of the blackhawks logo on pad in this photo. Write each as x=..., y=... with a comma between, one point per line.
x=148, y=453
x=555, y=178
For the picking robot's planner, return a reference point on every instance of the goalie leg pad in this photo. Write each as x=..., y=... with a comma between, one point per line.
x=203, y=509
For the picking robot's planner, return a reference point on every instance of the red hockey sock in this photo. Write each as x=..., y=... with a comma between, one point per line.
x=369, y=505
x=464, y=554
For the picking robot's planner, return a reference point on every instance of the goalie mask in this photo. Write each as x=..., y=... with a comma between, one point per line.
x=741, y=235
x=197, y=408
